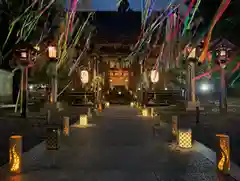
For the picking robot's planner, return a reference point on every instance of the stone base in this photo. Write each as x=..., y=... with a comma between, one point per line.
x=191, y=106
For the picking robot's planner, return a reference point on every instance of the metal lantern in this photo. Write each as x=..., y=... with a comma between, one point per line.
x=53, y=136
x=222, y=55
x=84, y=76
x=24, y=56
x=185, y=138
x=52, y=52
x=154, y=76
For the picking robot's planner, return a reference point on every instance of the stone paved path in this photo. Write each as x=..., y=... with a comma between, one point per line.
x=120, y=147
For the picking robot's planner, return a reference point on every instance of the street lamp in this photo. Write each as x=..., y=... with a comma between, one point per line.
x=222, y=55
x=24, y=59
x=191, y=73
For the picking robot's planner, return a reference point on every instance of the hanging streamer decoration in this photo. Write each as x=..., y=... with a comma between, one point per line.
x=221, y=10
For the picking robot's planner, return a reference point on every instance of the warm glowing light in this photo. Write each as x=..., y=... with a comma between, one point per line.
x=66, y=126
x=185, y=138
x=84, y=76
x=205, y=87
x=15, y=154
x=132, y=104
x=107, y=104
x=52, y=52
x=99, y=107
x=24, y=54
x=37, y=48
x=223, y=162
x=51, y=98
x=174, y=125
x=144, y=112
x=152, y=111
x=154, y=76
x=83, y=120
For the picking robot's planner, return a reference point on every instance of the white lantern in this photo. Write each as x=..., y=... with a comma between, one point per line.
x=145, y=112
x=66, y=126
x=52, y=52
x=83, y=120
x=107, y=104
x=154, y=76
x=84, y=76
x=23, y=54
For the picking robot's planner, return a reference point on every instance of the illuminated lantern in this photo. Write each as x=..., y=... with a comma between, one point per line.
x=107, y=104
x=154, y=76
x=174, y=125
x=52, y=52
x=152, y=112
x=84, y=76
x=83, y=120
x=132, y=104
x=99, y=107
x=15, y=154
x=223, y=155
x=66, y=126
x=185, y=138
x=144, y=112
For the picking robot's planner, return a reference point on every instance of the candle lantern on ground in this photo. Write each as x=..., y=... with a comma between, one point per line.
x=185, y=138
x=15, y=154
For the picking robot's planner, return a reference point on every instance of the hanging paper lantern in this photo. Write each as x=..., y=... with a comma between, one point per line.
x=154, y=76
x=84, y=76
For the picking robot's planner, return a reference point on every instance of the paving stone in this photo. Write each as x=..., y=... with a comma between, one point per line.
x=120, y=147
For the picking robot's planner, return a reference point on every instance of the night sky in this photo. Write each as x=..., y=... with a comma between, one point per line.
x=110, y=5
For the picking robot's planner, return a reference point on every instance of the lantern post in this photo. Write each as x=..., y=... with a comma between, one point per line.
x=191, y=83
x=52, y=54
x=222, y=55
x=84, y=79
x=24, y=58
